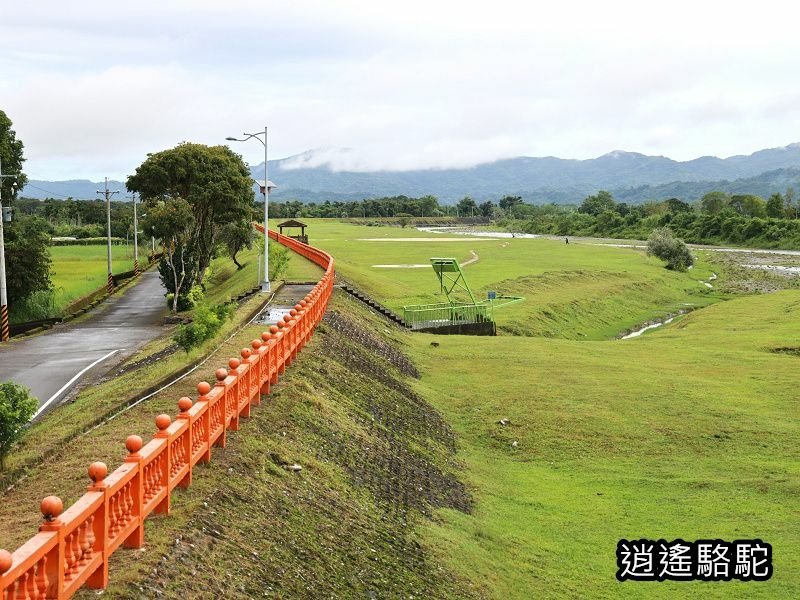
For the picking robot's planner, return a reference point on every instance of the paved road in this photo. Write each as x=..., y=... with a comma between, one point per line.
x=51, y=364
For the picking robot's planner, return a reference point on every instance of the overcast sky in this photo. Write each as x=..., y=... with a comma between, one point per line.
x=93, y=86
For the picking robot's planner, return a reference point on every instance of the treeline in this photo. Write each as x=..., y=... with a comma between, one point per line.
x=399, y=206
x=717, y=218
x=79, y=218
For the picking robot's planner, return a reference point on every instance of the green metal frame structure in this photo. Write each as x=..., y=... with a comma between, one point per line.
x=455, y=311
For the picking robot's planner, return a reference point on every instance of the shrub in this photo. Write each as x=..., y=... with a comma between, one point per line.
x=672, y=250
x=17, y=407
x=206, y=323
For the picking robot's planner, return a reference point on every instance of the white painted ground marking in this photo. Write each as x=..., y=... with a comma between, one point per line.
x=425, y=239
x=71, y=381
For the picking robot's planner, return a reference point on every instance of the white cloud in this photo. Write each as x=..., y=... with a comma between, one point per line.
x=92, y=87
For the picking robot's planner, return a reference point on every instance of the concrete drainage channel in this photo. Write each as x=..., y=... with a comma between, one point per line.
x=284, y=300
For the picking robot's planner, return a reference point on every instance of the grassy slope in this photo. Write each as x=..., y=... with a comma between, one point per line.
x=575, y=291
x=375, y=457
x=690, y=432
x=227, y=281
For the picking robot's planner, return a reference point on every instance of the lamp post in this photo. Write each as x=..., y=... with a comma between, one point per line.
x=268, y=185
x=135, y=236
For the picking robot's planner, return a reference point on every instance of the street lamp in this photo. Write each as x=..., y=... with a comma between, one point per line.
x=265, y=189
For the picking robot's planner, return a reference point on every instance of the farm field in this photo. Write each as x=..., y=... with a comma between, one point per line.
x=690, y=431
x=79, y=270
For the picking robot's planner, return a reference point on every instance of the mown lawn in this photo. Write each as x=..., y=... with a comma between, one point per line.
x=688, y=432
x=571, y=291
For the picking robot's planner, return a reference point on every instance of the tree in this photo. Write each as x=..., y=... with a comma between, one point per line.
x=236, y=237
x=173, y=222
x=775, y=206
x=486, y=208
x=662, y=244
x=27, y=258
x=12, y=158
x=748, y=205
x=17, y=407
x=507, y=203
x=26, y=238
x=713, y=202
x=467, y=207
x=214, y=182
x=595, y=205
x=791, y=206
x=674, y=205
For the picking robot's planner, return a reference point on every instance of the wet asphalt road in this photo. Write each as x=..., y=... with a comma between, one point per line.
x=53, y=363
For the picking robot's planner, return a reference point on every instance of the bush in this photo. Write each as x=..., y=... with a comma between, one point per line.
x=672, y=250
x=17, y=407
x=207, y=322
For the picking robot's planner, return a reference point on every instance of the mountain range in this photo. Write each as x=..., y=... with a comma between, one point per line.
x=630, y=176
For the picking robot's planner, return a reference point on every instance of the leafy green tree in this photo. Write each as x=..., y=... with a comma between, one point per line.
x=12, y=157
x=674, y=205
x=595, y=205
x=662, y=244
x=467, y=207
x=713, y=202
x=26, y=238
x=214, y=182
x=507, y=203
x=17, y=407
x=27, y=258
x=608, y=221
x=236, y=237
x=173, y=222
x=486, y=208
x=775, y=206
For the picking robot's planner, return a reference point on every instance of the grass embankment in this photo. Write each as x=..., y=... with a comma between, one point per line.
x=571, y=291
x=376, y=458
x=689, y=432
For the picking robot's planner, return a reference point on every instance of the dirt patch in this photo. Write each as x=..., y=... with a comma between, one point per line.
x=791, y=350
x=147, y=360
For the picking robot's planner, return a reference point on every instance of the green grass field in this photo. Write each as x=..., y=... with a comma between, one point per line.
x=571, y=291
x=77, y=271
x=689, y=431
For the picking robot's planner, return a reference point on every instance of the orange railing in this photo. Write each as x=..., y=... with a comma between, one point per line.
x=73, y=548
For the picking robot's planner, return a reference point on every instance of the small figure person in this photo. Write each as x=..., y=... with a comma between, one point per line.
x=566, y=240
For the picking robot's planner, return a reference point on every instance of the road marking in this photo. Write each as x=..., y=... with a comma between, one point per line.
x=71, y=381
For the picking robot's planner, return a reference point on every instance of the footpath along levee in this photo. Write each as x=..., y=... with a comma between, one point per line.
x=73, y=546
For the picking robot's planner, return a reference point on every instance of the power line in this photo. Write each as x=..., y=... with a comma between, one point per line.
x=36, y=187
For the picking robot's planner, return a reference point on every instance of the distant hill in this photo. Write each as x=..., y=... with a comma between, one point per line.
x=633, y=177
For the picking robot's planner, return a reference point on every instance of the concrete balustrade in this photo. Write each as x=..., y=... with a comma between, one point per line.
x=73, y=547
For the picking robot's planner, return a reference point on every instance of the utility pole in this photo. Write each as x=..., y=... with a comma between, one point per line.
x=135, y=236
x=108, y=194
